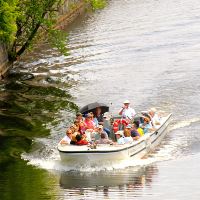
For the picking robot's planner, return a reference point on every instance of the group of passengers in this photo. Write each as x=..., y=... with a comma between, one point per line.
x=87, y=129
x=90, y=130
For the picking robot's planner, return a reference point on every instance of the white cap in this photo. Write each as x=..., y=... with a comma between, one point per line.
x=99, y=126
x=126, y=101
x=119, y=133
x=152, y=110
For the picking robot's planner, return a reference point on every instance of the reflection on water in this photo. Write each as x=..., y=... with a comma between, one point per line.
x=25, y=109
x=138, y=176
x=107, y=185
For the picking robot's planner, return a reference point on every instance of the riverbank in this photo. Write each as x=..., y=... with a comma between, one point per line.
x=69, y=11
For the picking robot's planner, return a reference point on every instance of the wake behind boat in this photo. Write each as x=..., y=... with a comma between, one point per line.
x=115, y=152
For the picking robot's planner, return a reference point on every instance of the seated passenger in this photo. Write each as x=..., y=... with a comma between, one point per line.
x=127, y=134
x=139, y=129
x=82, y=127
x=73, y=140
x=80, y=140
x=99, y=118
x=146, y=126
x=77, y=127
x=119, y=137
x=94, y=119
x=67, y=138
x=89, y=124
x=134, y=132
x=96, y=134
x=104, y=140
x=154, y=117
x=127, y=130
x=79, y=117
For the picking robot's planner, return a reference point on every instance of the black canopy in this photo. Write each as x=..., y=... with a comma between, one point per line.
x=92, y=106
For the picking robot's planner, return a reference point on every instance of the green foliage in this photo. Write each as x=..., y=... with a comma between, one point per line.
x=97, y=4
x=8, y=15
x=33, y=18
x=22, y=21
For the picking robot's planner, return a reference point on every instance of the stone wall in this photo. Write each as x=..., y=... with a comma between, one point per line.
x=68, y=12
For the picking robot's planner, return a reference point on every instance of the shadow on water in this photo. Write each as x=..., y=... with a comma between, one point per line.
x=26, y=106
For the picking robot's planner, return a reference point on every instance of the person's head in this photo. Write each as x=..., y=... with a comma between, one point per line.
x=98, y=111
x=119, y=134
x=69, y=133
x=76, y=127
x=103, y=136
x=127, y=130
x=73, y=128
x=88, y=117
x=79, y=116
x=152, y=112
x=136, y=124
x=129, y=126
x=100, y=128
x=126, y=103
x=78, y=137
x=77, y=122
x=146, y=120
x=73, y=139
x=91, y=114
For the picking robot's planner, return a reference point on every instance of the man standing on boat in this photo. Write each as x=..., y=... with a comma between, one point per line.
x=126, y=111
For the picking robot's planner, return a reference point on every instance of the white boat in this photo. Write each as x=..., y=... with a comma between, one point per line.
x=113, y=153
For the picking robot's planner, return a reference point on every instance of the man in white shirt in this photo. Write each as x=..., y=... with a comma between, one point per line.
x=68, y=137
x=126, y=111
x=154, y=117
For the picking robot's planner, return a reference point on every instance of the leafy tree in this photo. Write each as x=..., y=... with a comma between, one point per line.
x=36, y=17
x=22, y=22
x=8, y=15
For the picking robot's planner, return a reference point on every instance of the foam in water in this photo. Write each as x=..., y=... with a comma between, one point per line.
x=53, y=162
x=184, y=123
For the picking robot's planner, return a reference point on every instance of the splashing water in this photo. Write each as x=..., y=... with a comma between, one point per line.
x=184, y=123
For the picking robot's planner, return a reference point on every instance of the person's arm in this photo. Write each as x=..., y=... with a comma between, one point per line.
x=121, y=110
x=133, y=113
x=64, y=141
x=136, y=137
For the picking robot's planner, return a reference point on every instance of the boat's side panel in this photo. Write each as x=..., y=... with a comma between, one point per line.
x=138, y=151
x=90, y=157
x=158, y=135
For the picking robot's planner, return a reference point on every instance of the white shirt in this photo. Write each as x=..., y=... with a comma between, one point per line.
x=128, y=139
x=155, y=119
x=121, y=140
x=67, y=139
x=128, y=113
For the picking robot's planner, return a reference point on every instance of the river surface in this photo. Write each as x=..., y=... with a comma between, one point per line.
x=147, y=51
